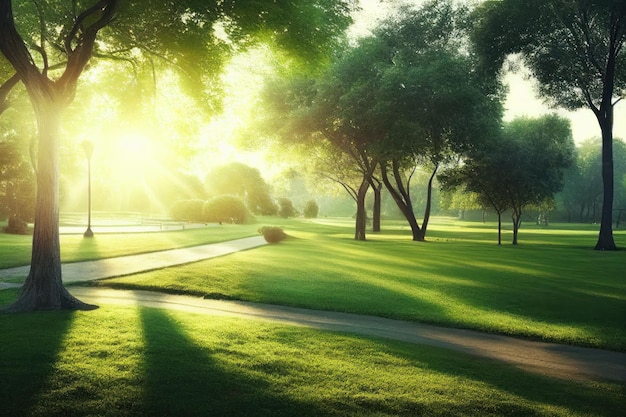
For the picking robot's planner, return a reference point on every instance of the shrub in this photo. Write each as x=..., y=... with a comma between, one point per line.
x=311, y=209
x=286, y=208
x=226, y=208
x=16, y=226
x=187, y=210
x=272, y=234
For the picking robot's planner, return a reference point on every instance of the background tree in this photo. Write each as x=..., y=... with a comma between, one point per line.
x=575, y=51
x=523, y=166
x=245, y=182
x=62, y=41
x=17, y=184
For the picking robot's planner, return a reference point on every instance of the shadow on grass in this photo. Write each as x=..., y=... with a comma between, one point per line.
x=28, y=353
x=597, y=399
x=182, y=379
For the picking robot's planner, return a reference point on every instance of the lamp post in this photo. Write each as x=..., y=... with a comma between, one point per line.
x=88, y=148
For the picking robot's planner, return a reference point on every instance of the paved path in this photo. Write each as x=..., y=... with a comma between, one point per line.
x=560, y=361
x=131, y=264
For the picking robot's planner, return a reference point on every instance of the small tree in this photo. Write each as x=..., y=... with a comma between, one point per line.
x=286, y=208
x=311, y=209
x=226, y=208
x=524, y=166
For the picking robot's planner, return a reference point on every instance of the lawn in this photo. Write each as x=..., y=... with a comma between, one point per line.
x=132, y=361
x=16, y=250
x=551, y=287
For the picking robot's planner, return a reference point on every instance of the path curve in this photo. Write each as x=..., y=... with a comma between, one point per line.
x=560, y=361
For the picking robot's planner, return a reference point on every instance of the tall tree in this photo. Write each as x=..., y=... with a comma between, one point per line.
x=434, y=101
x=575, y=50
x=62, y=39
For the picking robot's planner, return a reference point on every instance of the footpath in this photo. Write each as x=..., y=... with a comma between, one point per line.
x=554, y=360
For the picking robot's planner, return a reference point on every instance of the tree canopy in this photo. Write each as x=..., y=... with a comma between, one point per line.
x=574, y=49
x=50, y=44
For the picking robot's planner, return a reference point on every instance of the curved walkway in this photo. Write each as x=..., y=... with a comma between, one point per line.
x=560, y=361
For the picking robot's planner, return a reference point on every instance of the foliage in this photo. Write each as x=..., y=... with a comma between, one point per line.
x=187, y=210
x=311, y=209
x=17, y=183
x=523, y=166
x=50, y=46
x=575, y=51
x=287, y=208
x=245, y=182
x=16, y=226
x=226, y=209
x=272, y=234
x=581, y=198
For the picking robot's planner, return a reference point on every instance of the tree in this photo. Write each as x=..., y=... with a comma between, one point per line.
x=245, y=182
x=575, y=50
x=311, y=209
x=523, y=166
x=64, y=36
x=434, y=101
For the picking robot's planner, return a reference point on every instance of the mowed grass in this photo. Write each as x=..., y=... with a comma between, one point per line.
x=133, y=361
x=551, y=287
x=15, y=250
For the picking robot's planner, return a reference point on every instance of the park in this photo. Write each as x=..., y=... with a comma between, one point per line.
x=312, y=208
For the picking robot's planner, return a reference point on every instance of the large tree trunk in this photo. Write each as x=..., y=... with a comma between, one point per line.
x=605, y=238
x=43, y=289
x=361, y=212
x=377, y=188
x=402, y=198
x=429, y=197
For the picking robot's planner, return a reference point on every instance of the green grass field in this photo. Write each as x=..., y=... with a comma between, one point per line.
x=15, y=250
x=552, y=286
x=134, y=361
x=128, y=361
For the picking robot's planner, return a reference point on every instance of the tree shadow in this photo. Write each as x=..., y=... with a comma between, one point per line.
x=29, y=350
x=598, y=399
x=183, y=379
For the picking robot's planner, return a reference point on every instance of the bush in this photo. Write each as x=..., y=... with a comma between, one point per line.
x=187, y=210
x=311, y=209
x=16, y=226
x=226, y=208
x=272, y=234
x=286, y=208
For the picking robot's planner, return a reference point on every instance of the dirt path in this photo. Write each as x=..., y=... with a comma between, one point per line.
x=560, y=361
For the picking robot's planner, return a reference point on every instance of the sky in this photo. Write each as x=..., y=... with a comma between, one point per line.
x=522, y=99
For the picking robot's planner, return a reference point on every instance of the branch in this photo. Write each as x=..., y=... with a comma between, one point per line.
x=80, y=55
x=5, y=89
x=13, y=48
x=41, y=48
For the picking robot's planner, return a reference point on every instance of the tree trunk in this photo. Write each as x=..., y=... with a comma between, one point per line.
x=403, y=201
x=43, y=289
x=361, y=212
x=605, y=237
x=499, y=228
x=517, y=221
x=377, y=207
x=429, y=195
